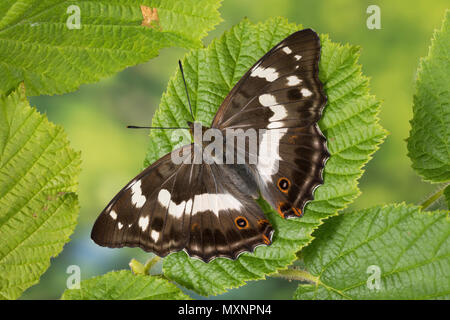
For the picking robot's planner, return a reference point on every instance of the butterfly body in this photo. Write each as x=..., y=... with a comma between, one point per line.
x=205, y=203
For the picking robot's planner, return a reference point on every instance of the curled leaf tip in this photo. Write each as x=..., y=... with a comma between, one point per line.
x=150, y=17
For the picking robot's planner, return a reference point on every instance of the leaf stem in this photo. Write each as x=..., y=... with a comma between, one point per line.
x=428, y=202
x=136, y=266
x=150, y=263
x=296, y=274
x=139, y=268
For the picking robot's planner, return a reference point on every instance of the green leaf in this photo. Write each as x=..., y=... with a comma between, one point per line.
x=429, y=141
x=37, y=46
x=123, y=285
x=349, y=122
x=447, y=196
x=407, y=248
x=38, y=204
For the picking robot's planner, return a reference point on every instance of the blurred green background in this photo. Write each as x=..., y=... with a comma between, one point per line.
x=96, y=115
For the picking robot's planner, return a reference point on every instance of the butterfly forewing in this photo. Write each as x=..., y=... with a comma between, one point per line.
x=282, y=94
x=287, y=73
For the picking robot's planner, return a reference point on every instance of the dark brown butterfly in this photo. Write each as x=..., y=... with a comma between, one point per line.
x=208, y=209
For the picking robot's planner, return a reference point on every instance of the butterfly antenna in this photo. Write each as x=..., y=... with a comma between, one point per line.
x=185, y=87
x=189, y=102
x=138, y=127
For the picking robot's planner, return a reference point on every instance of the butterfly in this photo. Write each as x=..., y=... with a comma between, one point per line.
x=208, y=209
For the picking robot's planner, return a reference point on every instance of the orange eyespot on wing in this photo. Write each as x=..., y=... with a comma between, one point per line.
x=284, y=210
x=292, y=139
x=281, y=208
x=297, y=212
x=283, y=184
x=241, y=222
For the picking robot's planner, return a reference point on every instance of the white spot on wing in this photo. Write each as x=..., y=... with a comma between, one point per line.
x=222, y=201
x=268, y=153
x=267, y=100
x=279, y=113
x=119, y=225
x=189, y=206
x=297, y=57
x=269, y=74
x=287, y=50
x=201, y=203
x=113, y=214
x=176, y=210
x=293, y=81
x=305, y=92
x=155, y=235
x=137, y=198
x=143, y=223
x=164, y=197
x=275, y=125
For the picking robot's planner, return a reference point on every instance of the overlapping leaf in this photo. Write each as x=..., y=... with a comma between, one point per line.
x=123, y=285
x=38, y=206
x=38, y=47
x=429, y=141
x=447, y=196
x=349, y=123
x=389, y=252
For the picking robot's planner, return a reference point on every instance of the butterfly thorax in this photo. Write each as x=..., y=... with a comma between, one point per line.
x=239, y=175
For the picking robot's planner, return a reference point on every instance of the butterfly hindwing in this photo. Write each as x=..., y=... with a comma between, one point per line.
x=211, y=214
x=301, y=158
